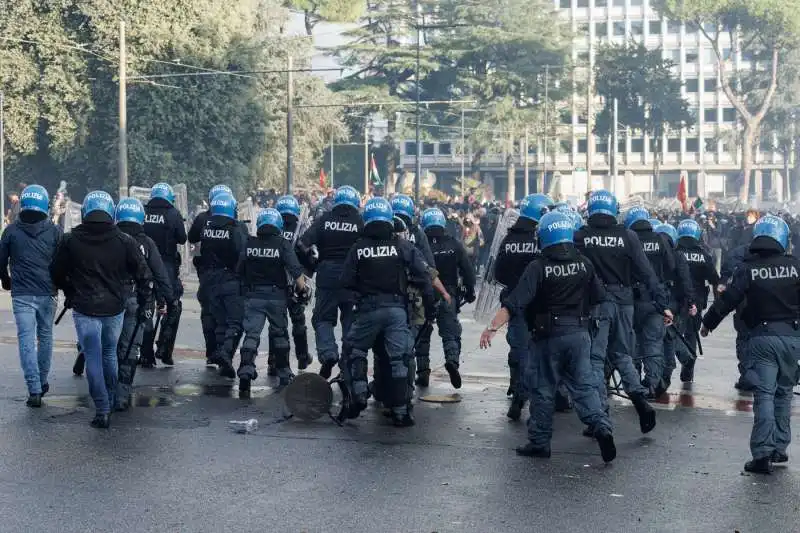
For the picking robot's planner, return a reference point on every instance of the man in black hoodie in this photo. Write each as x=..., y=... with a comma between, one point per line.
x=164, y=224
x=130, y=218
x=92, y=266
x=29, y=244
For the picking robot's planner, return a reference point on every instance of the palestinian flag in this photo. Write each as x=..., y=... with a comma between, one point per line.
x=373, y=171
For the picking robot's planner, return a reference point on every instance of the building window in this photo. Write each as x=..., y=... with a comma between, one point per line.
x=582, y=119
x=637, y=146
x=710, y=28
x=583, y=3
x=673, y=26
x=673, y=146
x=691, y=85
x=673, y=55
x=427, y=148
x=566, y=4
x=729, y=148
x=601, y=29
x=619, y=3
x=601, y=147
x=766, y=147
x=411, y=148
x=729, y=114
x=655, y=27
x=600, y=3
x=691, y=56
x=693, y=145
x=445, y=149
x=654, y=146
x=583, y=57
x=566, y=146
x=710, y=115
x=619, y=28
x=710, y=85
x=636, y=3
x=711, y=145
x=621, y=147
x=582, y=146
x=637, y=27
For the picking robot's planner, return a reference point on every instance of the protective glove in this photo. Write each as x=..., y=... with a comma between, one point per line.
x=431, y=312
x=469, y=296
x=144, y=313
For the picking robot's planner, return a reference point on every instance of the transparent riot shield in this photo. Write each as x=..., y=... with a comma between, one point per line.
x=303, y=223
x=248, y=213
x=72, y=216
x=488, y=300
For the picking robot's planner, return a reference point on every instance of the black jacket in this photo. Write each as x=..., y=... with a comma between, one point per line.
x=93, y=265
x=164, y=291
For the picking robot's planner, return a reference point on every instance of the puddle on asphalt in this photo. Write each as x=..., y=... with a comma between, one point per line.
x=140, y=400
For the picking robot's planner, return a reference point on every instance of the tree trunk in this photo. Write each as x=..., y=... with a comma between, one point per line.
x=657, y=168
x=309, y=22
x=511, y=173
x=748, y=147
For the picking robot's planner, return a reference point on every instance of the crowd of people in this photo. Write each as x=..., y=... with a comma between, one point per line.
x=587, y=292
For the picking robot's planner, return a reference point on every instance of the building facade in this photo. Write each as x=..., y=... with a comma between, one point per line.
x=706, y=153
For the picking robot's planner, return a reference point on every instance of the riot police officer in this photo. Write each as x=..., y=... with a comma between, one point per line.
x=452, y=264
x=195, y=236
x=403, y=207
x=617, y=256
x=682, y=298
x=702, y=270
x=130, y=216
x=376, y=270
x=222, y=242
x=769, y=279
x=554, y=295
x=516, y=251
x=164, y=224
x=263, y=268
x=648, y=324
x=327, y=241
x=289, y=209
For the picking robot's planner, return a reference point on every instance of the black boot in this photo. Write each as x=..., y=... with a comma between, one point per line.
x=327, y=369
x=562, y=403
x=34, y=400
x=455, y=376
x=515, y=409
x=247, y=365
x=101, y=421
x=165, y=356
x=606, y=442
x=226, y=369
x=404, y=420
x=423, y=378
x=779, y=457
x=45, y=389
x=530, y=450
x=301, y=351
x=687, y=372
x=80, y=364
x=759, y=466
x=647, y=415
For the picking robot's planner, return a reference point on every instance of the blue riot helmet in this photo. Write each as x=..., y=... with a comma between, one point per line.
x=403, y=205
x=635, y=214
x=216, y=189
x=378, y=210
x=130, y=210
x=34, y=198
x=577, y=219
x=602, y=203
x=346, y=195
x=534, y=206
x=654, y=222
x=163, y=191
x=774, y=228
x=287, y=205
x=690, y=228
x=555, y=228
x=224, y=205
x=98, y=202
x=270, y=217
x=668, y=230
x=433, y=217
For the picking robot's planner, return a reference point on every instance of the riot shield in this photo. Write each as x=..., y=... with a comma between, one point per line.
x=303, y=223
x=488, y=300
x=248, y=213
x=72, y=216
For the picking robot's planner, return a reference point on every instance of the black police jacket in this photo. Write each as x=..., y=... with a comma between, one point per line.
x=265, y=261
x=516, y=251
x=769, y=280
x=164, y=224
x=334, y=233
x=222, y=242
x=164, y=291
x=701, y=268
x=451, y=260
x=93, y=265
x=560, y=283
x=618, y=256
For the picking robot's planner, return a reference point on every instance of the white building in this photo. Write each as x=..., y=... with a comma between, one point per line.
x=710, y=163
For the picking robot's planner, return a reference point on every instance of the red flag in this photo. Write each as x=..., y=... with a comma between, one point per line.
x=323, y=179
x=683, y=193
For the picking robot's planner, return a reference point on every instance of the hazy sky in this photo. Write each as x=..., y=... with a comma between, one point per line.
x=325, y=35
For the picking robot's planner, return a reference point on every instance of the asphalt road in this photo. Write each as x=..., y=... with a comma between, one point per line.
x=173, y=464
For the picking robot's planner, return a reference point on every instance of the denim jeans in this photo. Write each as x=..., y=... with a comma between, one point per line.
x=98, y=335
x=34, y=316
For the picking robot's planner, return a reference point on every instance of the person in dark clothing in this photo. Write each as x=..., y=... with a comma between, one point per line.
x=92, y=266
x=29, y=245
x=130, y=217
x=164, y=224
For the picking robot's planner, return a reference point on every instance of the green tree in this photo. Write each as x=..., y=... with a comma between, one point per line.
x=316, y=11
x=648, y=95
x=761, y=32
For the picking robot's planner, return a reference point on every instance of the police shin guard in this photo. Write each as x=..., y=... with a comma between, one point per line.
x=169, y=330
x=301, y=350
x=687, y=371
x=647, y=415
x=271, y=368
x=224, y=358
x=357, y=369
x=285, y=375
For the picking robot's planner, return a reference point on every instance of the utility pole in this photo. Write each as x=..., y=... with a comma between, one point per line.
x=331, y=183
x=526, y=189
x=418, y=163
x=366, y=156
x=289, y=127
x=463, y=149
x=123, y=113
x=546, y=126
x=589, y=128
x=614, y=144
x=2, y=164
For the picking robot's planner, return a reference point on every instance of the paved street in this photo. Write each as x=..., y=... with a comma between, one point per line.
x=172, y=463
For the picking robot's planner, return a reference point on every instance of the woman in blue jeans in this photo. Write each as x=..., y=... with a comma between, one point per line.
x=92, y=266
x=28, y=246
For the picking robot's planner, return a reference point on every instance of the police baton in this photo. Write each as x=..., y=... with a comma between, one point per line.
x=672, y=328
x=61, y=315
x=427, y=326
x=133, y=339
